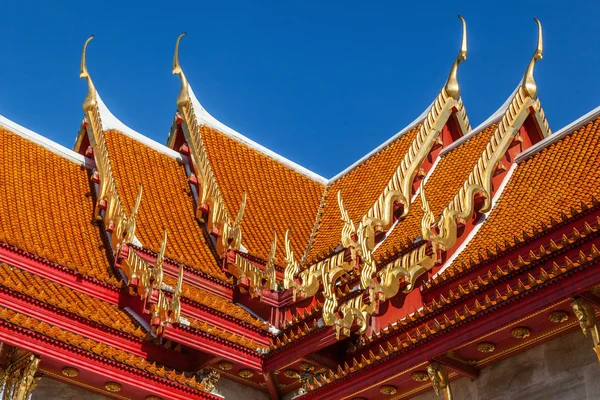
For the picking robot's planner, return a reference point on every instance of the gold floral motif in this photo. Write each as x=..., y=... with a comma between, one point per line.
x=558, y=317
x=420, y=376
x=291, y=373
x=306, y=367
x=70, y=372
x=388, y=389
x=225, y=365
x=113, y=387
x=521, y=332
x=246, y=373
x=486, y=347
x=153, y=398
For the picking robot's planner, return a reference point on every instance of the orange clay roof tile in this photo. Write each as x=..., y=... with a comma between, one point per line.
x=445, y=181
x=205, y=327
x=47, y=208
x=167, y=202
x=278, y=197
x=360, y=189
x=68, y=299
x=558, y=178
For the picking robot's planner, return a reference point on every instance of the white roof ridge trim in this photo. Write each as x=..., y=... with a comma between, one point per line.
x=110, y=122
x=557, y=136
x=383, y=145
x=205, y=118
x=40, y=140
x=496, y=116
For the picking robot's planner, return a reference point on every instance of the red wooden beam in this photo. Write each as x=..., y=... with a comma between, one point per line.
x=462, y=368
x=271, y=386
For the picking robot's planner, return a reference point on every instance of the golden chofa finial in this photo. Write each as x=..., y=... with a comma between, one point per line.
x=529, y=84
x=184, y=97
x=90, y=100
x=452, y=84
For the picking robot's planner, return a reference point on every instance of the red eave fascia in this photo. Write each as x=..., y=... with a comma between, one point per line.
x=216, y=346
x=82, y=360
x=73, y=323
x=231, y=324
x=301, y=347
x=564, y=286
x=59, y=274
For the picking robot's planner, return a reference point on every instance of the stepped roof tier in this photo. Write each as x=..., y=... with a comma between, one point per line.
x=138, y=270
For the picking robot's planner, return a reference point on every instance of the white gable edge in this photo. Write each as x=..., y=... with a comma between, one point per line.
x=110, y=122
x=42, y=141
x=556, y=136
x=205, y=118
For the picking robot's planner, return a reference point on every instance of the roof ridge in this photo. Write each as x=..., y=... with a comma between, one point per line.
x=205, y=118
x=111, y=122
x=557, y=136
x=40, y=140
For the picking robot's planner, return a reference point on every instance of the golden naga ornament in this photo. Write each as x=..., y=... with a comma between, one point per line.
x=439, y=379
x=586, y=316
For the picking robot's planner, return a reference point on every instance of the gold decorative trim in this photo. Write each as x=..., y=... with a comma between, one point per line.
x=246, y=373
x=388, y=389
x=486, y=347
x=586, y=316
x=142, y=277
x=558, y=317
x=439, y=379
x=70, y=372
x=112, y=387
x=521, y=332
x=225, y=365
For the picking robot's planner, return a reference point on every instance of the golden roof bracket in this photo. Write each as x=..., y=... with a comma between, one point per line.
x=529, y=84
x=90, y=101
x=184, y=97
x=452, y=86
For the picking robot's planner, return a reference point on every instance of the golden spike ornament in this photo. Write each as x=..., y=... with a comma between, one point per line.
x=586, y=316
x=452, y=86
x=90, y=101
x=184, y=96
x=270, y=272
x=529, y=84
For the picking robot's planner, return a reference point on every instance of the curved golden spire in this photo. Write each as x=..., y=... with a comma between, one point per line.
x=90, y=100
x=452, y=83
x=529, y=84
x=183, y=96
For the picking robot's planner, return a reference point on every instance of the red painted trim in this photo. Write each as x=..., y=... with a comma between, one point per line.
x=59, y=274
x=73, y=323
x=214, y=345
x=143, y=382
x=300, y=348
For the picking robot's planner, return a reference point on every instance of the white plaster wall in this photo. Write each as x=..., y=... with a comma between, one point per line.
x=50, y=389
x=565, y=368
x=235, y=391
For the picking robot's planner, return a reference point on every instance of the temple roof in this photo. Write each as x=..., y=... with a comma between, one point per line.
x=48, y=207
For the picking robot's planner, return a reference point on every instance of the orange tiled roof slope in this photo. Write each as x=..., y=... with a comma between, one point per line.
x=47, y=208
x=278, y=197
x=167, y=202
x=68, y=299
x=360, y=189
x=560, y=177
x=445, y=181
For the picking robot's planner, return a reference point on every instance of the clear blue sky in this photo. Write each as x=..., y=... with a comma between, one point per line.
x=320, y=84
